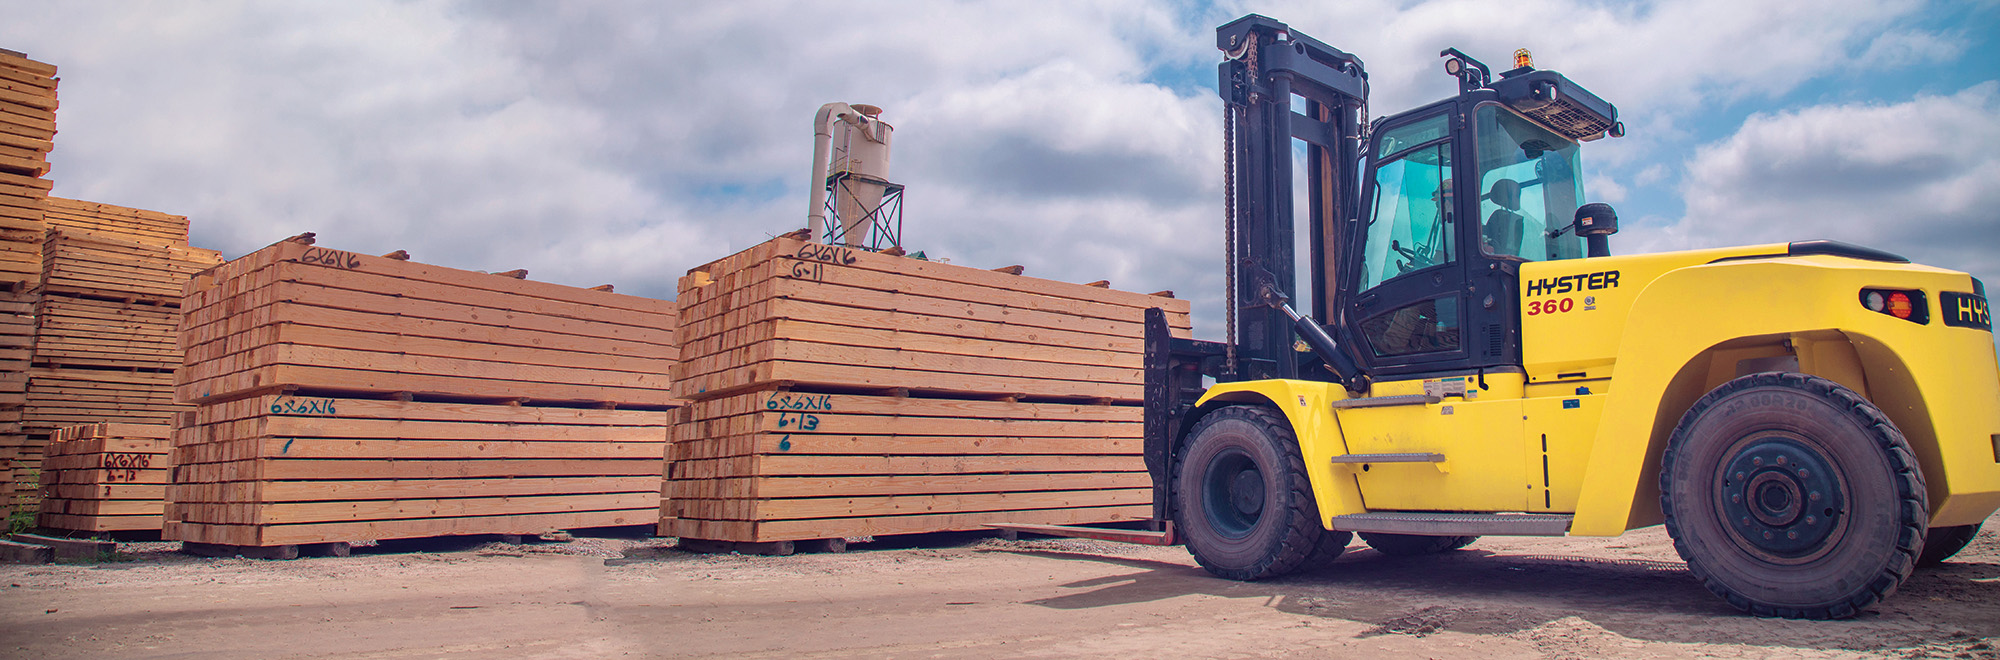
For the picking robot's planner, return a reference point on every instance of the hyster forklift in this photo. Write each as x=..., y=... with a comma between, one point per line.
x=1811, y=421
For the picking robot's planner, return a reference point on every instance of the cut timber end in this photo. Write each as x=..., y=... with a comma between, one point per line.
x=25, y=553
x=399, y=255
x=1011, y=270
x=1101, y=284
x=1163, y=294
x=302, y=239
x=797, y=235
x=604, y=287
x=895, y=251
x=518, y=273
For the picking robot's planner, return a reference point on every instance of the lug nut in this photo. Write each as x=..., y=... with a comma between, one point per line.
x=1781, y=460
x=1757, y=461
x=1811, y=520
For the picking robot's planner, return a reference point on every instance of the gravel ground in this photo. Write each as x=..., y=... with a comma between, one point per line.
x=954, y=598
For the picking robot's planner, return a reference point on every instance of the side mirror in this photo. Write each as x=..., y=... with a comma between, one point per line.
x=1596, y=222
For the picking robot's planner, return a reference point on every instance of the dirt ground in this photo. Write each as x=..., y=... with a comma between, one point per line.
x=1501, y=598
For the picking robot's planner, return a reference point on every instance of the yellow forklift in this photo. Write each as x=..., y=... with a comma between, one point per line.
x=1811, y=421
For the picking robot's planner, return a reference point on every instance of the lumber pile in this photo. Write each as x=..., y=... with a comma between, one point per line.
x=105, y=478
x=303, y=317
x=27, y=134
x=279, y=470
x=118, y=222
x=837, y=393
x=106, y=327
x=344, y=397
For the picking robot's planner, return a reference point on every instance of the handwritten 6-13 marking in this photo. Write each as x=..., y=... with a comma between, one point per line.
x=800, y=421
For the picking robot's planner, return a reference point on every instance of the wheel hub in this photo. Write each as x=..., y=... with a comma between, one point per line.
x=1781, y=497
x=1233, y=494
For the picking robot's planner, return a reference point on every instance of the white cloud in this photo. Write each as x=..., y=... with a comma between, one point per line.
x=623, y=142
x=1915, y=178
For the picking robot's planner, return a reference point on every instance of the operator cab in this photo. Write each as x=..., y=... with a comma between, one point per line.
x=1455, y=196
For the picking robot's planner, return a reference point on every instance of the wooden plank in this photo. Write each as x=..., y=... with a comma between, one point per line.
x=275, y=491
x=919, y=484
x=769, y=466
x=312, y=470
x=376, y=448
x=399, y=529
x=266, y=513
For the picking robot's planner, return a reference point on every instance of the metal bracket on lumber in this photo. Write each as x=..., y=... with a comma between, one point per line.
x=1382, y=401
x=1138, y=536
x=1455, y=524
x=1419, y=457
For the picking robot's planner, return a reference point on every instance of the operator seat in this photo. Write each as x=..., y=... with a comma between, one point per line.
x=1501, y=235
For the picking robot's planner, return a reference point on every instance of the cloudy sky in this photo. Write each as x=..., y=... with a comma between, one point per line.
x=624, y=142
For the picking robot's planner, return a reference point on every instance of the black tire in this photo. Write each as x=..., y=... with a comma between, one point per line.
x=1791, y=496
x=1330, y=546
x=1412, y=545
x=1943, y=542
x=1244, y=505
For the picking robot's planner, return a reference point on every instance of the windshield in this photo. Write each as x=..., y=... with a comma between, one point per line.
x=1530, y=183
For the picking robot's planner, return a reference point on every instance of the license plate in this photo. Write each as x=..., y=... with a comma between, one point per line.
x=1965, y=310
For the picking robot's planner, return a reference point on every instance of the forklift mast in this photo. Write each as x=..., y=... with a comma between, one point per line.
x=1266, y=64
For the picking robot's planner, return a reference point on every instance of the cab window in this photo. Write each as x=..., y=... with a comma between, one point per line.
x=1410, y=227
x=1529, y=185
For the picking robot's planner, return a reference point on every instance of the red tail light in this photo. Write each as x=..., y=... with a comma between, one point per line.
x=1908, y=305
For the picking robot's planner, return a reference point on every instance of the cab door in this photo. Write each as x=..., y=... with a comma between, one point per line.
x=1407, y=307
x=1405, y=302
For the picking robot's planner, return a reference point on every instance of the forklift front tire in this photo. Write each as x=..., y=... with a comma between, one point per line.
x=1245, y=508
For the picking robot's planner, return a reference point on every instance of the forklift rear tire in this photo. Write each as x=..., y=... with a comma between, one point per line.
x=1245, y=507
x=1413, y=545
x=1943, y=542
x=1790, y=495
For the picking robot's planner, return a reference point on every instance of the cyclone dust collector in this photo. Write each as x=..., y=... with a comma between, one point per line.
x=851, y=161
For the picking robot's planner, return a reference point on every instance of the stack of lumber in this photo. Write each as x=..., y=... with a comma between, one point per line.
x=280, y=470
x=303, y=317
x=106, y=328
x=27, y=134
x=105, y=478
x=345, y=397
x=838, y=393
x=106, y=220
